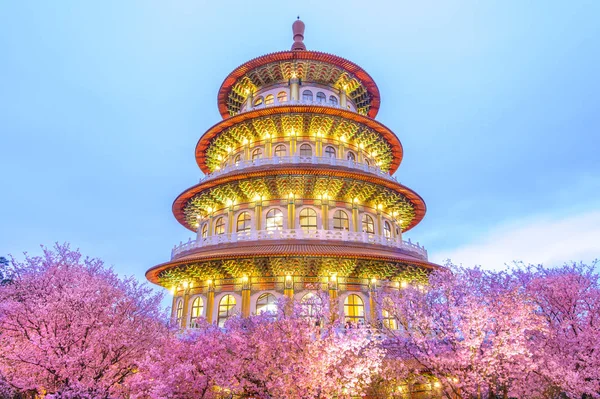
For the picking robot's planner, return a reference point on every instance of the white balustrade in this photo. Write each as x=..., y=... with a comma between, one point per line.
x=300, y=234
x=241, y=165
x=295, y=102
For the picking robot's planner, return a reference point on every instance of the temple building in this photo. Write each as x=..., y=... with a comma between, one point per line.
x=298, y=195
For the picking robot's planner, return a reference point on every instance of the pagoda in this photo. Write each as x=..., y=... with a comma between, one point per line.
x=297, y=196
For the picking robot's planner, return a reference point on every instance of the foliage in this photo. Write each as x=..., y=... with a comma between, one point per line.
x=72, y=328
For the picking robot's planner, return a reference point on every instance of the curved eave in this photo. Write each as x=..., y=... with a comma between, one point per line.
x=388, y=135
x=340, y=62
x=290, y=248
x=304, y=169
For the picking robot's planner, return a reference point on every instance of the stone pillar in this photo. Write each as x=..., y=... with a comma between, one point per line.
x=355, y=216
x=258, y=214
x=341, y=150
x=210, y=301
x=343, y=99
x=186, y=300
x=379, y=221
x=245, y=296
x=174, y=305
x=289, y=287
x=333, y=298
x=318, y=145
x=373, y=302
x=291, y=212
x=246, y=150
x=295, y=89
x=210, y=225
x=325, y=213
x=230, y=220
x=249, y=99
x=268, y=146
x=293, y=142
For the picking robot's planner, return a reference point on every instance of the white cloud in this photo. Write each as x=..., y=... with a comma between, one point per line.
x=545, y=239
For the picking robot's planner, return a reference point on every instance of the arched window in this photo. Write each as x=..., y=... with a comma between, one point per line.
x=279, y=151
x=330, y=152
x=257, y=153
x=282, y=96
x=354, y=309
x=308, y=219
x=311, y=304
x=307, y=96
x=351, y=156
x=197, y=311
x=274, y=220
x=179, y=311
x=226, y=309
x=237, y=159
x=389, y=321
x=270, y=99
x=340, y=220
x=333, y=100
x=258, y=101
x=367, y=162
x=321, y=97
x=387, y=229
x=306, y=150
x=266, y=303
x=205, y=230
x=220, y=226
x=367, y=224
x=244, y=222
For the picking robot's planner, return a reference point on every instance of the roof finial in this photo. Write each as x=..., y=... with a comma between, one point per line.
x=298, y=29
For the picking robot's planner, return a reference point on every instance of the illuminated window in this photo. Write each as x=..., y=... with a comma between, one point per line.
x=274, y=220
x=351, y=156
x=282, y=96
x=306, y=150
x=387, y=230
x=257, y=153
x=333, y=100
x=197, y=311
x=270, y=99
x=367, y=224
x=244, y=222
x=226, y=309
x=258, y=101
x=280, y=151
x=266, y=303
x=310, y=304
x=205, y=230
x=340, y=220
x=389, y=321
x=330, y=152
x=220, y=226
x=179, y=311
x=354, y=309
x=237, y=159
x=308, y=219
x=321, y=97
x=307, y=96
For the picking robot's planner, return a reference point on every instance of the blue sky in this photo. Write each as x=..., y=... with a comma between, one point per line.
x=497, y=105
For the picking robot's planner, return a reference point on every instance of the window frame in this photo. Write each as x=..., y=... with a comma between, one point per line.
x=269, y=306
x=269, y=99
x=330, y=152
x=246, y=222
x=307, y=95
x=343, y=219
x=276, y=213
x=220, y=225
x=303, y=148
x=368, y=224
x=354, y=311
x=282, y=96
x=308, y=213
x=277, y=149
x=229, y=309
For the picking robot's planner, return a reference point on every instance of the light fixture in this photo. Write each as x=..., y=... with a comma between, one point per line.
x=245, y=141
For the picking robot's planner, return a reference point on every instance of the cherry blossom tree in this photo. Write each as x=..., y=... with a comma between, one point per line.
x=568, y=299
x=285, y=355
x=468, y=330
x=71, y=328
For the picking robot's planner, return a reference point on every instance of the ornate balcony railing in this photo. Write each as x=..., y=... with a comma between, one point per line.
x=296, y=102
x=295, y=159
x=300, y=234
